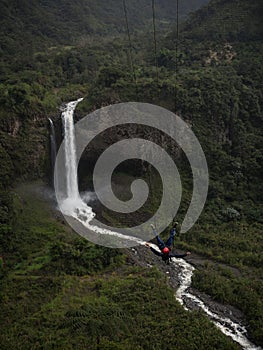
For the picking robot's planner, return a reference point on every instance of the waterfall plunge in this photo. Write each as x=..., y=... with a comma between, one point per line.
x=70, y=150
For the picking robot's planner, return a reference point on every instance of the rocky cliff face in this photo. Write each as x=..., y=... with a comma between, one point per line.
x=130, y=131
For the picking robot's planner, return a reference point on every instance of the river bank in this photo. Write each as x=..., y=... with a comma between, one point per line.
x=227, y=318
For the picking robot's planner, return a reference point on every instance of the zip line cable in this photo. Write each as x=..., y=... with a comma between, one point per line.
x=130, y=45
x=155, y=48
x=176, y=55
x=155, y=42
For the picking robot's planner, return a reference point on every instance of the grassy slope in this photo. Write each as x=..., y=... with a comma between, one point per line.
x=47, y=301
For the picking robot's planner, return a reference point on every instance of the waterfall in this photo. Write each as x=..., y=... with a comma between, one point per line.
x=76, y=208
x=70, y=150
x=53, y=145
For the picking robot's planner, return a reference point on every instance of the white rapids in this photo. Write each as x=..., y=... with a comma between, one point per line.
x=236, y=331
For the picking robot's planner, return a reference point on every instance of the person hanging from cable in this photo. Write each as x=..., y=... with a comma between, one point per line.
x=165, y=248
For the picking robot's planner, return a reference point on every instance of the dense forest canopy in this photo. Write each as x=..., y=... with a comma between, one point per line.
x=37, y=24
x=54, y=51
x=227, y=20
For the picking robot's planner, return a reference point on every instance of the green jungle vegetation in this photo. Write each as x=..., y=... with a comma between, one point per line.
x=57, y=290
x=28, y=27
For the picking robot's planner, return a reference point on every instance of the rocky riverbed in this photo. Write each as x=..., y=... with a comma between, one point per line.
x=227, y=318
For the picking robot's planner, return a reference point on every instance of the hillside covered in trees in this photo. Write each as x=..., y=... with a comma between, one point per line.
x=38, y=24
x=54, y=284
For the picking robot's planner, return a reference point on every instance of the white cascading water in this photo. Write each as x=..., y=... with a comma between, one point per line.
x=236, y=331
x=75, y=207
x=70, y=150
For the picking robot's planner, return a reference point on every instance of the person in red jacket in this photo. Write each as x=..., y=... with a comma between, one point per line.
x=165, y=248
